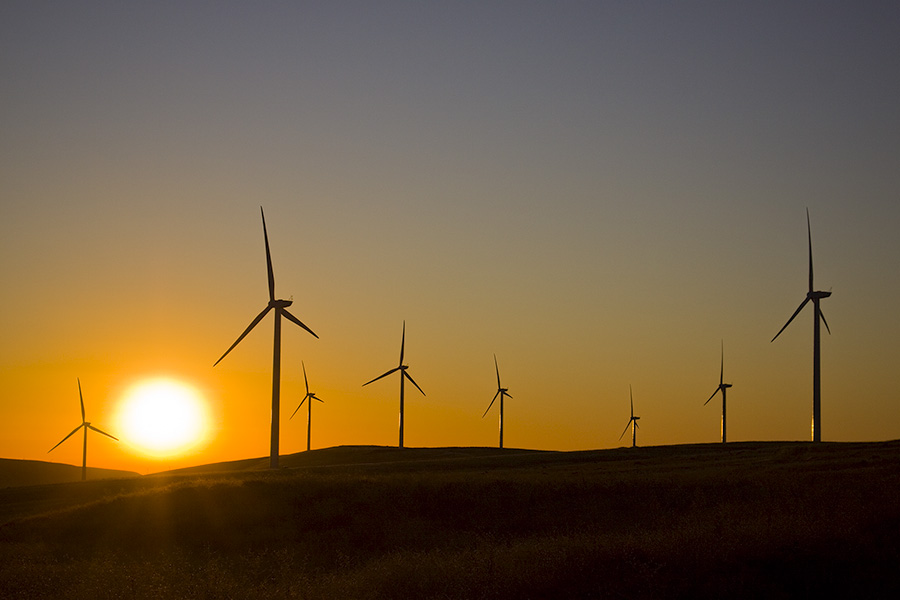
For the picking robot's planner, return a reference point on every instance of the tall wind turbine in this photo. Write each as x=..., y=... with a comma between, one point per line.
x=502, y=392
x=403, y=375
x=632, y=422
x=815, y=297
x=722, y=388
x=85, y=424
x=309, y=396
x=280, y=307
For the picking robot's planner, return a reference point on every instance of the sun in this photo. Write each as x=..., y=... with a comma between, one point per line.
x=163, y=417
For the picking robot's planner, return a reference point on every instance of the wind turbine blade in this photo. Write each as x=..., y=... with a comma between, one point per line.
x=314, y=397
x=631, y=395
x=402, y=341
x=491, y=404
x=809, y=235
x=722, y=366
x=507, y=394
x=408, y=376
x=498, y=372
x=380, y=376
x=81, y=399
x=258, y=318
x=291, y=317
x=822, y=315
x=74, y=431
x=626, y=429
x=713, y=396
x=298, y=408
x=103, y=432
x=796, y=312
x=305, y=381
x=268, y=258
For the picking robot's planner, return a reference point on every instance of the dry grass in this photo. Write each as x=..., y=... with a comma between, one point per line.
x=747, y=520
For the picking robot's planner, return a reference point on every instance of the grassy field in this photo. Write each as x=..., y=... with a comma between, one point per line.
x=748, y=520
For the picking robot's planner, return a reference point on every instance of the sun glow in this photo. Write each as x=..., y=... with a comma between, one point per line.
x=163, y=417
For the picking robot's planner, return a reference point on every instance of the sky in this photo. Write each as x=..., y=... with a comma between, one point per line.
x=602, y=194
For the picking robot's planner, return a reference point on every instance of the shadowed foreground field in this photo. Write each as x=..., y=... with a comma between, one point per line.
x=748, y=520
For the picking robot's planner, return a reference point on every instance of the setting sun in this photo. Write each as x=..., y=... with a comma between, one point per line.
x=163, y=417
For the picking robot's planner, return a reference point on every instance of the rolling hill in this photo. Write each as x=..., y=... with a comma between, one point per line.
x=746, y=520
x=14, y=472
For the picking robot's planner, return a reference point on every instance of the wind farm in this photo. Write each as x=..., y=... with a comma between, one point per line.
x=593, y=192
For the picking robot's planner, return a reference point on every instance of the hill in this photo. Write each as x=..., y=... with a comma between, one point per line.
x=15, y=472
x=745, y=520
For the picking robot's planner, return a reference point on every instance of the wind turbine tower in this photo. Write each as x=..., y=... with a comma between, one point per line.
x=85, y=424
x=280, y=308
x=501, y=392
x=722, y=388
x=815, y=297
x=309, y=396
x=403, y=375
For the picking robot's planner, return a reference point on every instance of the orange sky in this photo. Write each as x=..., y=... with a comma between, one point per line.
x=598, y=195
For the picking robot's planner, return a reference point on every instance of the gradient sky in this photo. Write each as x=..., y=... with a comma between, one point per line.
x=597, y=192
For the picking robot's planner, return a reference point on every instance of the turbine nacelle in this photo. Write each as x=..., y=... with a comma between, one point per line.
x=280, y=303
x=817, y=295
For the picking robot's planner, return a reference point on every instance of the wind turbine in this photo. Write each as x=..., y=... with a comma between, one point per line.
x=280, y=307
x=632, y=422
x=502, y=392
x=309, y=396
x=85, y=424
x=815, y=297
x=722, y=387
x=403, y=375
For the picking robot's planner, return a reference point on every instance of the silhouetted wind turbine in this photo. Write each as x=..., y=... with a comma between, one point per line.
x=815, y=297
x=403, y=375
x=309, y=396
x=632, y=422
x=502, y=392
x=722, y=387
x=280, y=307
x=85, y=425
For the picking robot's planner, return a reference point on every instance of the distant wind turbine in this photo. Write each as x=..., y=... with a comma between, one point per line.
x=280, y=307
x=502, y=392
x=309, y=396
x=632, y=422
x=403, y=375
x=815, y=297
x=85, y=424
x=722, y=388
